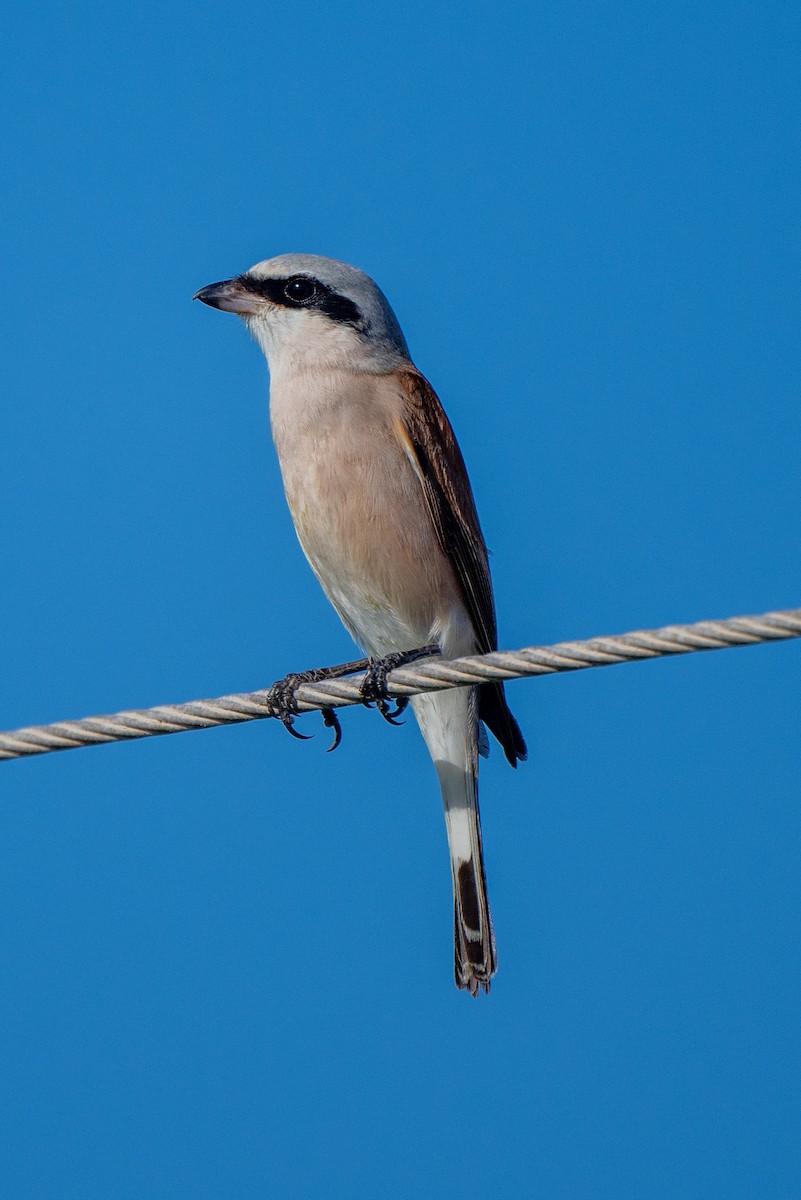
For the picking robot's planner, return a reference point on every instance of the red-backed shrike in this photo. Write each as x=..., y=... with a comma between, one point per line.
x=383, y=509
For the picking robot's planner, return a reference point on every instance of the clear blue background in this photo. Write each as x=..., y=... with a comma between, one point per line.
x=227, y=956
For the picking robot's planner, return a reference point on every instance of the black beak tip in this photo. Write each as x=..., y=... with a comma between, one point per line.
x=230, y=296
x=208, y=295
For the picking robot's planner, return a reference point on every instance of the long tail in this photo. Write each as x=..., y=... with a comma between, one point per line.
x=474, y=942
x=449, y=723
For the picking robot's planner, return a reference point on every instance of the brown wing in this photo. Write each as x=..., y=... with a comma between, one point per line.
x=450, y=502
x=443, y=476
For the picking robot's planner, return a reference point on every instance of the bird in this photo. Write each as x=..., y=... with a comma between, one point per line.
x=383, y=508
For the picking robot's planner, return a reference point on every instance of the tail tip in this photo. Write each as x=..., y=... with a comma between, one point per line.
x=472, y=982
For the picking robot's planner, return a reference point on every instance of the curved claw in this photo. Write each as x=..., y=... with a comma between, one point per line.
x=389, y=714
x=331, y=721
x=288, y=723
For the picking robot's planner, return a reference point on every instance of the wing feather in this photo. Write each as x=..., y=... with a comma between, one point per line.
x=443, y=475
x=429, y=442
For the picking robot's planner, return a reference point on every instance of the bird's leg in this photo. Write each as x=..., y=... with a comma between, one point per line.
x=374, y=688
x=283, y=705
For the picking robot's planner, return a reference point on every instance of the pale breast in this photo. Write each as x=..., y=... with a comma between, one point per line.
x=359, y=508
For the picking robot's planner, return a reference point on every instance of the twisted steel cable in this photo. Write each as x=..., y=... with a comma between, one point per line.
x=431, y=675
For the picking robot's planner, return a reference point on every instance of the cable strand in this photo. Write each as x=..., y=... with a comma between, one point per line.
x=428, y=675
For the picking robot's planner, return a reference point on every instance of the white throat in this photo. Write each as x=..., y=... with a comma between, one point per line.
x=297, y=342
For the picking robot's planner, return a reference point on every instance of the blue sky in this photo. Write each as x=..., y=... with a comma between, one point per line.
x=227, y=955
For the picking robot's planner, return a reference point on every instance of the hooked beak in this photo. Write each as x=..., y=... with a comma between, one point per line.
x=230, y=296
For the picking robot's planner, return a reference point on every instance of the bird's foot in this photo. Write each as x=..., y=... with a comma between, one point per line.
x=374, y=687
x=282, y=703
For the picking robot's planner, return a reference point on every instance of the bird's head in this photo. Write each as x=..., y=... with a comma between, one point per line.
x=306, y=311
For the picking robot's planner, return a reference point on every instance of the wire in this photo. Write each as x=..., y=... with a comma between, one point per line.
x=431, y=675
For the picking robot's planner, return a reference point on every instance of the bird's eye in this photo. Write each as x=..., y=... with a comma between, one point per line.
x=299, y=290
